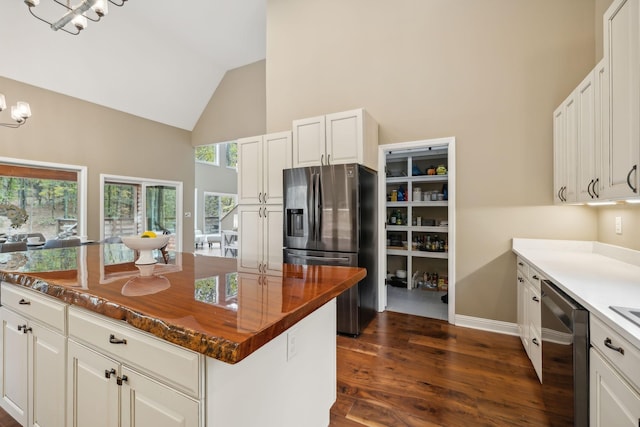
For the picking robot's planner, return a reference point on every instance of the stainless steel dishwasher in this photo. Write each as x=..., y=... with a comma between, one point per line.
x=565, y=357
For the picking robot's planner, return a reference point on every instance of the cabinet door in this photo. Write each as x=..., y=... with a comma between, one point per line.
x=586, y=142
x=272, y=238
x=47, y=362
x=522, y=321
x=622, y=47
x=250, y=170
x=250, y=237
x=13, y=367
x=612, y=401
x=559, y=155
x=89, y=381
x=571, y=149
x=276, y=157
x=147, y=403
x=345, y=141
x=309, y=142
x=601, y=77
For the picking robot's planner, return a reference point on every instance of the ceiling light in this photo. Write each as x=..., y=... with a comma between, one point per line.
x=601, y=203
x=632, y=201
x=19, y=113
x=75, y=16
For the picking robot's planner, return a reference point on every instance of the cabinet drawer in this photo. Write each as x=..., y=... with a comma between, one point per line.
x=36, y=306
x=535, y=278
x=169, y=363
x=626, y=363
x=523, y=268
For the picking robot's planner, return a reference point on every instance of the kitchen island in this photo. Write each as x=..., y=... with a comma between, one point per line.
x=194, y=343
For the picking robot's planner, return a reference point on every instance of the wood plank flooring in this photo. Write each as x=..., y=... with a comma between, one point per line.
x=406, y=370
x=411, y=371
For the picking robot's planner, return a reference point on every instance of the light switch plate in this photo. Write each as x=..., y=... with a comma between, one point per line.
x=618, y=225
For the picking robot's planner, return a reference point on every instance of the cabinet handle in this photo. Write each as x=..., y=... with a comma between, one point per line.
x=535, y=277
x=520, y=279
x=24, y=329
x=521, y=264
x=264, y=198
x=634, y=189
x=535, y=341
x=122, y=379
x=607, y=342
x=24, y=302
x=107, y=374
x=589, y=189
x=595, y=185
x=260, y=197
x=114, y=340
x=328, y=159
x=536, y=299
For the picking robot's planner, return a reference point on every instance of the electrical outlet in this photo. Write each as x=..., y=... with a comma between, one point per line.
x=292, y=344
x=618, y=225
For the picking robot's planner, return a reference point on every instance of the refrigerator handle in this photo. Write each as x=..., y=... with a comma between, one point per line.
x=314, y=218
x=319, y=210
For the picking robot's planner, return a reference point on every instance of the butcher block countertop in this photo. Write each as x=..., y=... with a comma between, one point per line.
x=197, y=302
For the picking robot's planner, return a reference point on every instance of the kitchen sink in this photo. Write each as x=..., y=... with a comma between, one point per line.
x=632, y=314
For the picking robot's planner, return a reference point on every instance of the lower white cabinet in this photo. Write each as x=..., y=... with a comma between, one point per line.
x=260, y=238
x=125, y=396
x=135, y=379
x=529, y=320
x=32, y=374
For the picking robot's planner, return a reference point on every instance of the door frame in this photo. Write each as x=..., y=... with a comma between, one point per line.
x=144, y=182
x=383, y=150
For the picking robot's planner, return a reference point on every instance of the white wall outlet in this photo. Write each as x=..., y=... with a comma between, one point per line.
x=292, y=344
x=618, y=225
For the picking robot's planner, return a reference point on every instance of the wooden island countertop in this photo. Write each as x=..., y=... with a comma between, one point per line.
x=198, y=302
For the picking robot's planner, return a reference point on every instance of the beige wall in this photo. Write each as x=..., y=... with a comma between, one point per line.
x=488, y=72
x=70, y=131
x=236, y=109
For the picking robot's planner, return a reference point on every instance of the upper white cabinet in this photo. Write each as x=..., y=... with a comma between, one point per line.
x=565, y=134
x=338, y=138
x=588, y=167
x=621, y=51
x=261, y=161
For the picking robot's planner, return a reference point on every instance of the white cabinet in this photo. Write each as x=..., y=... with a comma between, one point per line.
x=138, y=379
x=338, y=138
x=614, y=389
x=529, y=310
x=417, y=218
x=565, y=134
x=588, y=168
x=621, y=51
x=260, y=238
x=261, y=160
x=32, y=373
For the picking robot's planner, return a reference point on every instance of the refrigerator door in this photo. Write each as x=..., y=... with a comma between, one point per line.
x=350, y=316
x=337, y=218
x=300, y=207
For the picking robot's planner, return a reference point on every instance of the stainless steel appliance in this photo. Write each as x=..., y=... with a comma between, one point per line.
x=330, y=216
x=565, y=357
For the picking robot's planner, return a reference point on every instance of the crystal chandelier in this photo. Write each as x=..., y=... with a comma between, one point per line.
x=19, y=113
x=76, y=15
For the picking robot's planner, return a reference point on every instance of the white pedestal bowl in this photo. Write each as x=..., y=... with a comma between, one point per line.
x=145, y=246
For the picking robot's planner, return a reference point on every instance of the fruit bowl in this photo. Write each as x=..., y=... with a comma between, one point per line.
x=145, y=245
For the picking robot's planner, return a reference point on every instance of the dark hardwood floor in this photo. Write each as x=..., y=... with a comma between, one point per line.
x=406, y=370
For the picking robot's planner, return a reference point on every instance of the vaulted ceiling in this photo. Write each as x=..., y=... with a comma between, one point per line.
x=157, y=59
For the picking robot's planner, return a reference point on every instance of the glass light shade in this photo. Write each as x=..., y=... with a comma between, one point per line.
x=80, y=22
x=15, y=114
x=101, y=7
x=24, y=109
x=32, y=3
x=3, y=102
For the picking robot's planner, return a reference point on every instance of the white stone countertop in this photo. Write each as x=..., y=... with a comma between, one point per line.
x=594, y=274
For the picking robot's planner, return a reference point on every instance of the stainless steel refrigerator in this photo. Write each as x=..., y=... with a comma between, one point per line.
x=330, y=217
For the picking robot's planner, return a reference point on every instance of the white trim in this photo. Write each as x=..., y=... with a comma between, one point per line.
x=82, y=185
x=451, y=212
x=497, y=326
x=145, y=182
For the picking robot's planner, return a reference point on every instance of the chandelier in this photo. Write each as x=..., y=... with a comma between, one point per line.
x=19, y=113
x=77, y=15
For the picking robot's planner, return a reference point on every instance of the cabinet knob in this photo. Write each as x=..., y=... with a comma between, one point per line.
x=536, y=299
x=24, y=329
x=24, y=302
x=108, y=373
x=521, y=264
x=122, y=379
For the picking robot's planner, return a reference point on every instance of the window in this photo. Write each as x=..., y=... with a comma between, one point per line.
x=131, y=206
x=216, y=207
x=51, y=195
x=211, y=154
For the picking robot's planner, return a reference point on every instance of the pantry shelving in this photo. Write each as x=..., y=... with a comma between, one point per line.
x=417, y=216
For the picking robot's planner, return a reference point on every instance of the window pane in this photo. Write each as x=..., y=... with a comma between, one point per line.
x=207, y=153
x=231, y=150
x=51, y=206
x=211, y=214
x=121, y=203
x=161, y=209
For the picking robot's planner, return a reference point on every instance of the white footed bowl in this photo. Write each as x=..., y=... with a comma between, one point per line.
x=145, y=245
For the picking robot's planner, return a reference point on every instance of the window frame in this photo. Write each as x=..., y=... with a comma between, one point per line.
x=204, y=206
x=81, y=172
x=204, y=162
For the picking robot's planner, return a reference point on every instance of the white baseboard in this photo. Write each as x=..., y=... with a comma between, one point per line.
x=497, y=326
